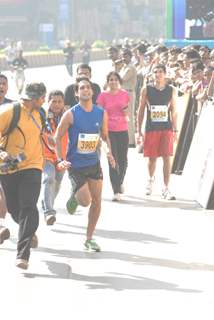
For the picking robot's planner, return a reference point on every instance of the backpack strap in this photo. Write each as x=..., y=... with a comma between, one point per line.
x=14, y=123
x=15, y=118
x=44, y=120
x=45, y=127
x=43, y=117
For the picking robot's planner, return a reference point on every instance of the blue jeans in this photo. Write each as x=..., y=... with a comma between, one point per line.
x=51, y=184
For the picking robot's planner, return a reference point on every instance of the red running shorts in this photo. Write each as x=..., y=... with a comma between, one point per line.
x=158, y=143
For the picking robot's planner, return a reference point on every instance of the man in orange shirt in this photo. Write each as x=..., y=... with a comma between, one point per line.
x=52, y=175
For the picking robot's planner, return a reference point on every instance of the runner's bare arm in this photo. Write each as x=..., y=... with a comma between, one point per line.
x=174, y=111
x=105, y=137
x=141, y=110
x=65, y=122
x=104, y=129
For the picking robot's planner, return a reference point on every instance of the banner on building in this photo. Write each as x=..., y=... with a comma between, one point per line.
x=116, y=10
x=64, y=9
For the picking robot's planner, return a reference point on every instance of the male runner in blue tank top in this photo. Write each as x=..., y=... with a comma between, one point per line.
x=161, y=126
x=86, y=124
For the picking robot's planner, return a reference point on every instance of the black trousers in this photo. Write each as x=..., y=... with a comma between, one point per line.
x=119, y=145
x=22, y=191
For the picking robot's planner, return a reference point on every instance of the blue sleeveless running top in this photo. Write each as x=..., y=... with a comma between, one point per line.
x=84, y=136
x=158, y=108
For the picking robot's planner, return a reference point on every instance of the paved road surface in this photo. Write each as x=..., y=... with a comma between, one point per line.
x=156, y=262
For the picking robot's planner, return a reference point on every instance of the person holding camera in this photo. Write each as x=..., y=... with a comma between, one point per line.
x=21, y=154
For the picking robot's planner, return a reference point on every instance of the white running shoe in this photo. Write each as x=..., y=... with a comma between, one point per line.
x=166, y=194
x=149, y=186
x=116, y=197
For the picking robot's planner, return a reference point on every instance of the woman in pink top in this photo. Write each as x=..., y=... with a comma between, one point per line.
x=115, y=101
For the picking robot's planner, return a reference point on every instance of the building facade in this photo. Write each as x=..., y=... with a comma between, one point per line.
x=48, y=21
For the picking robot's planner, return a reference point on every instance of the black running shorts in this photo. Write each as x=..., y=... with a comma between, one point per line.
x=79, y=176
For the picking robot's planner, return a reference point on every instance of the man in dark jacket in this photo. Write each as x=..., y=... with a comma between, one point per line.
x=83, y=70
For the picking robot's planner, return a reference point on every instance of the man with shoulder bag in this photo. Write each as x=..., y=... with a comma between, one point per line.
x=21, y=168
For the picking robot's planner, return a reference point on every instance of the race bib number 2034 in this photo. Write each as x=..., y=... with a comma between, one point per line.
x=159, y=113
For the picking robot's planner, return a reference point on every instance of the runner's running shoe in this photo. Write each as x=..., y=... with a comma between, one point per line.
x=91, y=245
x=149, y=187
x=71, y=205
x=166, y=194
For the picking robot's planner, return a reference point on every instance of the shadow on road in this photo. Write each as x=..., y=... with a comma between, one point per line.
x=120, y=281
x=112, y=280
x=118, y=235
x=127, y=257
x=156, y=202
x=58, y=271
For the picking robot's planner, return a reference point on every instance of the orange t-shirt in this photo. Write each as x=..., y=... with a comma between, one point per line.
x=49, y=152
x=27, y=140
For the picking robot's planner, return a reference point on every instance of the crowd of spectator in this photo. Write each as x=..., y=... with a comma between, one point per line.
x=189, y=69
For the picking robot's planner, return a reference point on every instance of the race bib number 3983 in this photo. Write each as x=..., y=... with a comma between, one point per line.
x=159, y=113
x=87, y=142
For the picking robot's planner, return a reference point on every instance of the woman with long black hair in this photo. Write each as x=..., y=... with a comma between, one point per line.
x=115, y=101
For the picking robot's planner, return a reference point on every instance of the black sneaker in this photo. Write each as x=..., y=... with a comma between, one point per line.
x=50, y=219
x=22, y=264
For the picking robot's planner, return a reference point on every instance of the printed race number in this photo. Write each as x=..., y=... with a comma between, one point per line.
x=159, y=113
x=87, y=143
